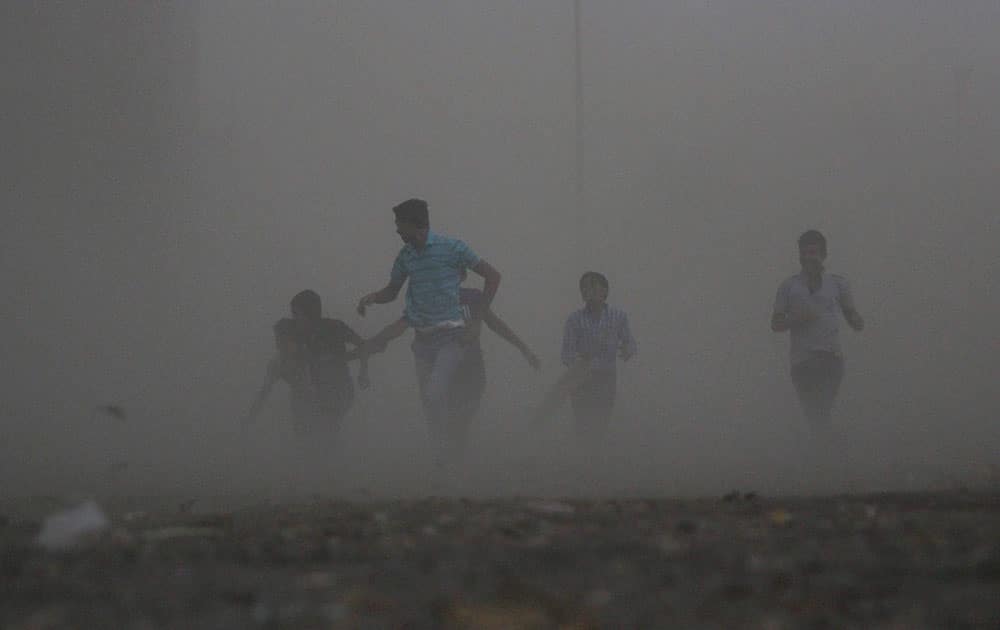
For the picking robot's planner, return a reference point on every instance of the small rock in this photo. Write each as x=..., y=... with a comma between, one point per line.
x=170, y=533
x=335, y=612
x=262, y=613
x=598, y=598
x=669, y=545
x=317, y=581
x=685, y=526
x=291, y=611
x=121, y=537
x=46, y=619
x=779, y=517
x=446, y=519
x=551, y=508
x=497, y=616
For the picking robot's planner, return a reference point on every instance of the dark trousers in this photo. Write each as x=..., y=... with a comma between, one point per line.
x=817, y=381
x=465, y=396
x=320, y=409
x=592, y=403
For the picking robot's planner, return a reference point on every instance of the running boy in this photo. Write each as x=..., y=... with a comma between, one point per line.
x=809, y=305
x=594, y=337
x=312, y=358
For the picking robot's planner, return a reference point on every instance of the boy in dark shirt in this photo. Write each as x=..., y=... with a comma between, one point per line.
x=312, y=359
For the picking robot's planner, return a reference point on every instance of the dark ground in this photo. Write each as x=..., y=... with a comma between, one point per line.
x=877, y=561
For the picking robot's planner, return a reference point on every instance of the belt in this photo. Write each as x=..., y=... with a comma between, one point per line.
x=439, y=327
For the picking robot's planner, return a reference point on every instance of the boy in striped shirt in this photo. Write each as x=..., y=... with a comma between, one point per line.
x=593, y=339
x=432, y=264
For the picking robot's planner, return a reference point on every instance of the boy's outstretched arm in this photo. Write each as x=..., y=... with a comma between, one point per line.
x=384, y=295
x=500, y=327
x=358, y=353
x=378, y=343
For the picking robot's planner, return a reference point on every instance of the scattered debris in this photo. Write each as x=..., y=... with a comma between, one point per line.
x=497, y=617
x=911, y=561
x=170, y=533
x=550, y=508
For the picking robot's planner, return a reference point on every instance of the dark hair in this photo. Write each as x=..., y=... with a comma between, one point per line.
x=414, y=211
x=593, y=276
x=812, y=237
x=308, y=303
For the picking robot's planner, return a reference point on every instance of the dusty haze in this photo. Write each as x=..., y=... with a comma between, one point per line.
x=175, y=174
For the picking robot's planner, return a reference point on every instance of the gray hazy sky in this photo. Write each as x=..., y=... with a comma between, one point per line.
x=180, y=172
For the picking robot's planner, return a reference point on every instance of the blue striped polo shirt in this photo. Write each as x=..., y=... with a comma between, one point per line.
x=435, y=276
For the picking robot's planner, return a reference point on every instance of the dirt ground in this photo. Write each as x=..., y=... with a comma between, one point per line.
x=923, y=560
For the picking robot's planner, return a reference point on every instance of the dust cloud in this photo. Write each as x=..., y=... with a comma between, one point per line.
x=176, y=172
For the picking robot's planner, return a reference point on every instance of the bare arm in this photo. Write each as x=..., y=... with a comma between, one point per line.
x=383, y=296
x=846, y=300
x=352, y=337
x=358, y=353
x=379, y=342
x=628, y=347
x=854, y=319
x=492, y=277
x=500, y=327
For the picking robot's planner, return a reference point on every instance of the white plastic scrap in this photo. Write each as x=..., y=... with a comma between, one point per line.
x=71, y=528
